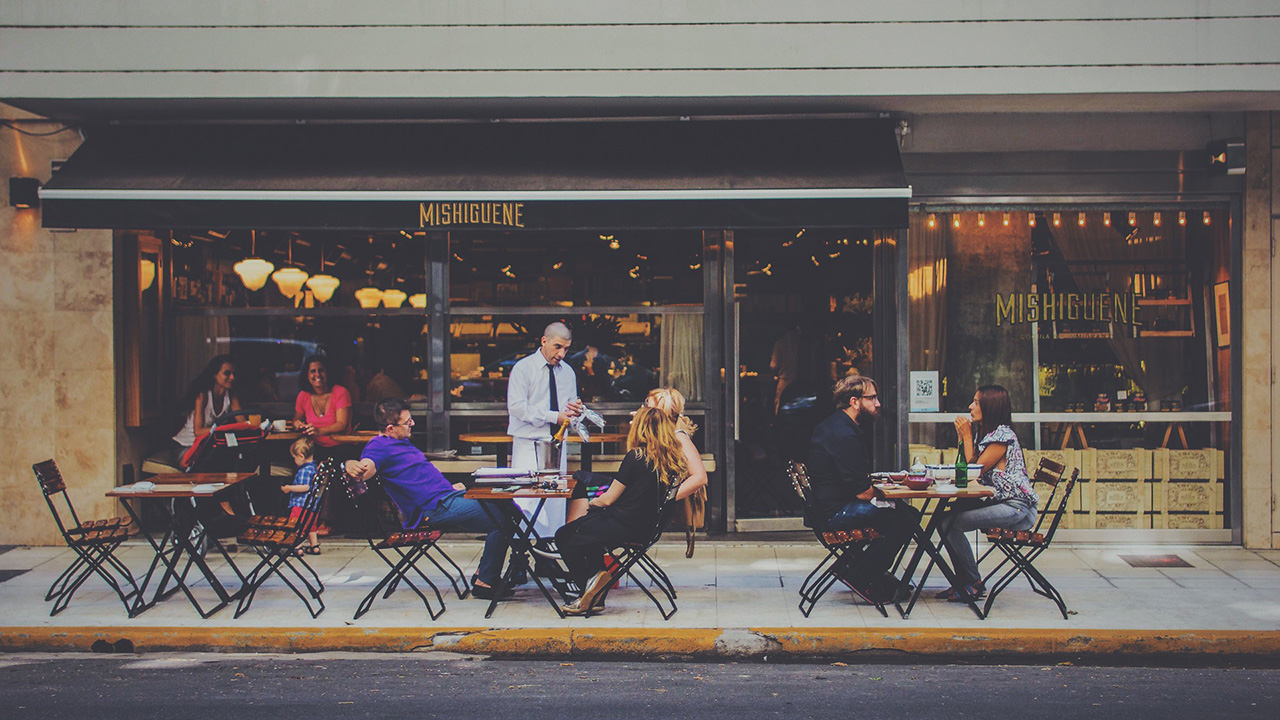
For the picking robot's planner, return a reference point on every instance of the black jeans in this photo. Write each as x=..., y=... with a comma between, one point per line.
x=583, y=542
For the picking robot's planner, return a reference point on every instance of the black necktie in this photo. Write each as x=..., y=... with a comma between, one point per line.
x=555, y=402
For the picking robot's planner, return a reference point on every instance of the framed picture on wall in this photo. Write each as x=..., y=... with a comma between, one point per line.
x=1222, y=311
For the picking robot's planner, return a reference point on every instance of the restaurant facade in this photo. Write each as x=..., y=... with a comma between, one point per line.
x=1103, y=266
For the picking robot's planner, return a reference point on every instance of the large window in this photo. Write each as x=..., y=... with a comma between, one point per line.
x=1109, y=326
x=270, y=299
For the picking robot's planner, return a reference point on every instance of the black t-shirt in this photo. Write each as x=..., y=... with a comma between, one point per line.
x=637, y=507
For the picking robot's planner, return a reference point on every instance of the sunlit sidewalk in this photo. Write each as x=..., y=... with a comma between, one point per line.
x=727, y=584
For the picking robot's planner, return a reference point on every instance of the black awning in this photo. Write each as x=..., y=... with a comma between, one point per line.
x=547, y=175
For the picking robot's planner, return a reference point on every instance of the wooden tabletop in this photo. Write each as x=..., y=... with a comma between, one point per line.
x=902, y=492
x=180, y=485
x=499, y=438
x=360, y=436
x=487, y=492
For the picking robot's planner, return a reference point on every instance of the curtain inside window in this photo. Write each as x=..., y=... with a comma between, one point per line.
x=681, y=354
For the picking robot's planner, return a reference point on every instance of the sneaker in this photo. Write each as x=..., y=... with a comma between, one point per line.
x=888, y=586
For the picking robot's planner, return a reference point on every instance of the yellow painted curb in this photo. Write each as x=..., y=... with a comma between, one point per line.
x=639, y=643
x=1027, y=642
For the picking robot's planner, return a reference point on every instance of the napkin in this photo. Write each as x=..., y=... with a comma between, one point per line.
x=140, y=486
x=207, y=487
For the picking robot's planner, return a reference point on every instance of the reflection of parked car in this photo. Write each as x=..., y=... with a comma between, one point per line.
x=270, y=366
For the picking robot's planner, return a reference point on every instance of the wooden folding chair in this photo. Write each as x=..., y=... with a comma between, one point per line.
x=400, y=549
x=1022, y=547
x=278, y=539
x=94, y=543
x=843, y=548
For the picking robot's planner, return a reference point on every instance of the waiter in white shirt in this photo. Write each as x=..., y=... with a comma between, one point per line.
x=542, y=393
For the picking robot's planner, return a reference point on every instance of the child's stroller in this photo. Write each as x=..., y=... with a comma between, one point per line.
x=228, y=447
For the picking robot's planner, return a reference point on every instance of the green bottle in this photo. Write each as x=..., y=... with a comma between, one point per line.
x=962, y=468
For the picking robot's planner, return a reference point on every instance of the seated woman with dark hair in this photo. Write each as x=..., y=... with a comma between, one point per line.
x=1013, y=507
x=628, y=510
x=210, y=395
x=321, y=409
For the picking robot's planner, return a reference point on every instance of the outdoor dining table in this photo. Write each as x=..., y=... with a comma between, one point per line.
x=178, y=542
x=924, y=535
x=521, y=529
x=502, y=442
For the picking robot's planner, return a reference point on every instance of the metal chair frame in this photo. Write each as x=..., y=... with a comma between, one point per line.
x=843, y=548
x=400, y=549
x=94, y=543
x=627, y=557
x=277, y=540
x=1021, y=548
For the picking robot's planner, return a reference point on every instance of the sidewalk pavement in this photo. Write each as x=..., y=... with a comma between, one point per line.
x=737, y=599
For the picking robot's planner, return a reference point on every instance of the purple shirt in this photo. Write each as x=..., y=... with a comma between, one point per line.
x=414, y=484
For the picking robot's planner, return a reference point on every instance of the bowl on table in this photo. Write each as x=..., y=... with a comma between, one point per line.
x=940, y=472
x=916, y=482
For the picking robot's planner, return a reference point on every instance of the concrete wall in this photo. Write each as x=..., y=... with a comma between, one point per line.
x=753, y=48
x=58, y=383
x=1258, y=339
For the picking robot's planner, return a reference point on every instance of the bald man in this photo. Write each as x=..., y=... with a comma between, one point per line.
x=542, y=393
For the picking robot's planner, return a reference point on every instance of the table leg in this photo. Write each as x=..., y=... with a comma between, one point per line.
x=925, y=545
x=586, y=456
x=523, y=536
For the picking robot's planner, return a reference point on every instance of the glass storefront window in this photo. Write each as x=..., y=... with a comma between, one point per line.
x=613, y=268
x=617, y=358
x=1109, y=328
x=270, y=321
x=805, y=319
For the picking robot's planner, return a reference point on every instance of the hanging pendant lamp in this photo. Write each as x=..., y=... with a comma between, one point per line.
x=322, y=285
x=393, y=298
x=289, y=279
x=418, y=300
x=369, y=297
x=253, y=270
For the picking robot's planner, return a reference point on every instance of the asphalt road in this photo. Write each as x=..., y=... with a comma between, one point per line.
x=175, y=686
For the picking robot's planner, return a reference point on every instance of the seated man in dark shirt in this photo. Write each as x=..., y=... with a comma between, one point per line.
x=839, y=463
x=421, y=491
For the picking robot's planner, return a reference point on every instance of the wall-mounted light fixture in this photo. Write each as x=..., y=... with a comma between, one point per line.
x=24, y=192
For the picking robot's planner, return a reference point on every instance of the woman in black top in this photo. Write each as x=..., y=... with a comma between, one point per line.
x=628, y=510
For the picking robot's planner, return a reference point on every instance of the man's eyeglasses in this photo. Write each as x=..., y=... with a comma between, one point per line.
x=406, y=423
x=870, y=397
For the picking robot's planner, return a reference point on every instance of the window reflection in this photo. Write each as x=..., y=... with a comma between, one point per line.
x=617, y=358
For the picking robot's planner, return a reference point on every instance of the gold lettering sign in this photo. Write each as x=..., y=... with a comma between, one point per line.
x=433, y=214
x=1013, y=308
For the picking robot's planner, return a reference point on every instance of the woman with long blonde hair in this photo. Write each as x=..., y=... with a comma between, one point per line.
x=628, y=510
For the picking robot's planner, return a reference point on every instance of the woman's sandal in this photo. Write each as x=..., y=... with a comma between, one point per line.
x=313, y=550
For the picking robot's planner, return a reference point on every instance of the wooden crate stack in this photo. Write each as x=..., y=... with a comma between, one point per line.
x=1187, y=489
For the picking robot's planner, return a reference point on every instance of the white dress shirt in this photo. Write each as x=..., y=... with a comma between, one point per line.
x=529, y=396
x=529, y=405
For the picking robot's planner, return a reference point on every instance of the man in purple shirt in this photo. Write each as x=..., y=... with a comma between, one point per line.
x=421, y=492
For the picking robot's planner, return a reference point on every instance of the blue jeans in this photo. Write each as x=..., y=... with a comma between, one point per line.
x=457, y=513
x=963, y=518
x=893, y=524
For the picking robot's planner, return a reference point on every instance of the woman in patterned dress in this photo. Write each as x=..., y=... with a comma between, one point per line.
x=1013, y=507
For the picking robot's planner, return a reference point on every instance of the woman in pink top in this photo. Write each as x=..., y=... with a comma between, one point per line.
x=322, y=409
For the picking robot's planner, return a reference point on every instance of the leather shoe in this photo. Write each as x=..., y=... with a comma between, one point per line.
x=488, y=592
x=586, y=602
